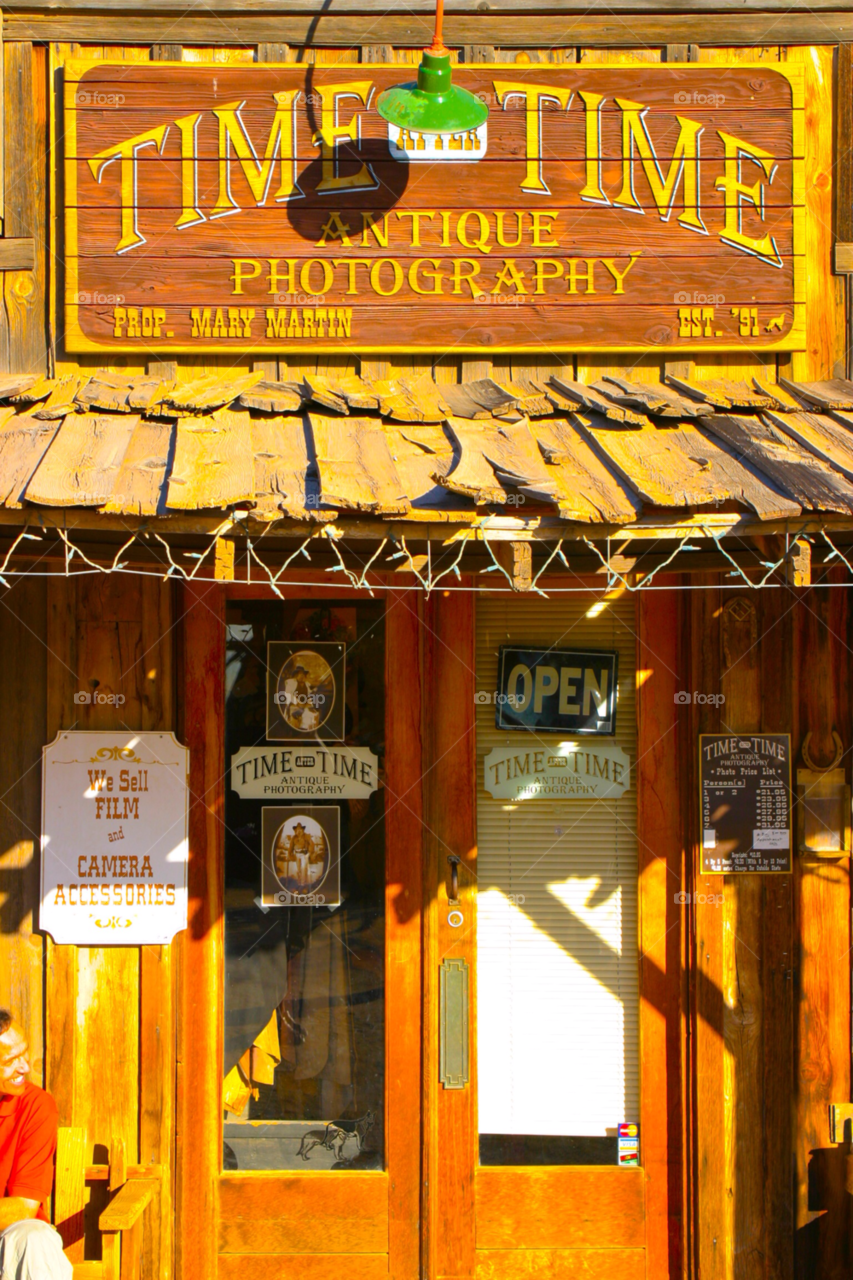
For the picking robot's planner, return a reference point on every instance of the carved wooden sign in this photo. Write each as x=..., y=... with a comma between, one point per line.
x=266, y=206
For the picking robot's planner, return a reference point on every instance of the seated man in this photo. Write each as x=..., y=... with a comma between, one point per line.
x=30, y=1249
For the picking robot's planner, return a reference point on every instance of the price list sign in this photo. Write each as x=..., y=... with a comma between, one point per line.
x=746, y=802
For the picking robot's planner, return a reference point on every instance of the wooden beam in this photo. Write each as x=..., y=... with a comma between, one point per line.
x=516, y=559
x=663, y=920
x=414, y=30
x=18, y=254
x=844, y=156
x=528, y=9
x=799, y=566
x=198, y=1103
x=843, y=249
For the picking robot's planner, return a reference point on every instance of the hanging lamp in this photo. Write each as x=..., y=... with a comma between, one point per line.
x=433, y=119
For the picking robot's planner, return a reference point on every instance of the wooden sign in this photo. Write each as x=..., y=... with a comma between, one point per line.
x=746, y=802
x=557, y=690
x=212, y=208
x=566, y=771
x=114, y=838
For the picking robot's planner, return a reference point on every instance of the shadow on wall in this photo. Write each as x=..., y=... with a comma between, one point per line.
x=823, y=1249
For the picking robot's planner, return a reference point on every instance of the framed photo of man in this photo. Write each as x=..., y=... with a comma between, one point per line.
x=301, y=863
x=305, y=691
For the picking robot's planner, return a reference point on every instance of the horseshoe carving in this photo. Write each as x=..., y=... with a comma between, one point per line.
x=816, y=768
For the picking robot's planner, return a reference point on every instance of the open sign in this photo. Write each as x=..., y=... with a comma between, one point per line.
x=557, y=690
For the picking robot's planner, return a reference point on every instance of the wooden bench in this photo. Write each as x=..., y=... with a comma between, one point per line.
x=120, y=1223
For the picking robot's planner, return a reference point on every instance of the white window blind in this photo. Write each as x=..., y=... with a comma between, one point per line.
x=557, y=983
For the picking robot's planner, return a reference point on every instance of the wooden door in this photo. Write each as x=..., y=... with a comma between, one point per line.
x=542, y=1197
x=259, y=1192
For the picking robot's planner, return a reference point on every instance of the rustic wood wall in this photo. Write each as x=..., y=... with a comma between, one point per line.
x=770, y=971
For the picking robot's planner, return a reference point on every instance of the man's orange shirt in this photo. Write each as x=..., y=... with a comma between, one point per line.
x=28, y=1125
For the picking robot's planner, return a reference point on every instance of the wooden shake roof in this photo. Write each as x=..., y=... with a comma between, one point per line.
x=411, y=449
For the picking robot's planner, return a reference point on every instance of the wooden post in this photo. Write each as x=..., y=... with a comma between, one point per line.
x=199, y=1110
x=404, y=840
x=663, y=917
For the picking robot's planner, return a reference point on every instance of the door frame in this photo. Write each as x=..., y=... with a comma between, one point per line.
x=199, y=1179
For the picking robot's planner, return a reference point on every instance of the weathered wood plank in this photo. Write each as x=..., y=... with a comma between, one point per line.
x=833, y=393
x=270, y=396
x=844, y=145
x=26, y=177
x=140, y=485
x=23, y=443
x=282, y=464
x=682, y=467
x=213, y=462
x=649, y=399
x=724, y=393
x=81, y=465
x=585, y=488
x=355, y=464
x=830, y=441
x=568, y=394
x=800, y=474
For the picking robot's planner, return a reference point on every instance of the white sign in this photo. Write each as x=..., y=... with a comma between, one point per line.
x=114, y=838
x=566, y=771
x=258, y=773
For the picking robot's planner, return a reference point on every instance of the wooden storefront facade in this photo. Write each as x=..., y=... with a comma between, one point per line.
x=743, y=981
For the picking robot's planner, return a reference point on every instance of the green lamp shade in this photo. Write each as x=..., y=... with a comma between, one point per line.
x=434, y=105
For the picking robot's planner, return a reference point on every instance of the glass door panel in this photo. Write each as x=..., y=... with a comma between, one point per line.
x=304, y=1039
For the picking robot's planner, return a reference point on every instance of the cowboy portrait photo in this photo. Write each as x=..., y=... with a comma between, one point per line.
x=301, y=855
x=305, y=691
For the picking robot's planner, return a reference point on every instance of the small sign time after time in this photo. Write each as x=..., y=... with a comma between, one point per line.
x=212, y=207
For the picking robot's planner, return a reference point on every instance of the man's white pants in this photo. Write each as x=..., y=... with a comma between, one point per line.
x=32, y=1250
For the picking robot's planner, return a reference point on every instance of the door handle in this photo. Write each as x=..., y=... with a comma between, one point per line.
x=453, y=896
